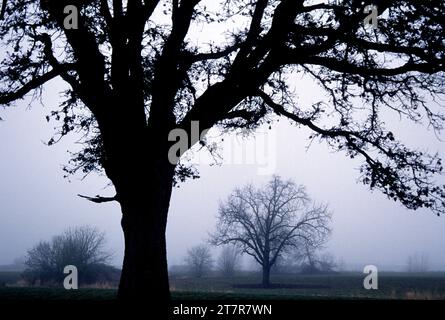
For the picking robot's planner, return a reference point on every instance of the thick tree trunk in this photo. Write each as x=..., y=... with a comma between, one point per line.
x=144, y=271
x=145, y=200
x=266, y=276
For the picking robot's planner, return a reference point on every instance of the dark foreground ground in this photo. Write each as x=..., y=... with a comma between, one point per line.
x=291, y=297
x=344, y=286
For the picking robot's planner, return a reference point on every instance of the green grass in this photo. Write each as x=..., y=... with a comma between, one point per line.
x=335, y=286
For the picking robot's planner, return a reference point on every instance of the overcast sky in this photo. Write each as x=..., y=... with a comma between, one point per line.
x=36, y=202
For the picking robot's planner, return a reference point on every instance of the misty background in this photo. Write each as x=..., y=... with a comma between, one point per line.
x=37, y=202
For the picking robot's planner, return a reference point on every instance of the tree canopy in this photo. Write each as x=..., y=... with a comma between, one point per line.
x=141, y=62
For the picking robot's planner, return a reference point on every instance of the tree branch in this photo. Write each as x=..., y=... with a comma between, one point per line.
x=99, y=199
x=8, y=97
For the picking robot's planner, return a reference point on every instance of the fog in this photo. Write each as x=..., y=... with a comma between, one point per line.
x=37, y=202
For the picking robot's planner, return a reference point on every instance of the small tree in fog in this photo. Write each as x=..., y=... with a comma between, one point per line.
x=326, y=263
x=83, y=247
x=268, y=222
x=229, y=261
x=311, y=260
x=199, y=260
x=418, y=263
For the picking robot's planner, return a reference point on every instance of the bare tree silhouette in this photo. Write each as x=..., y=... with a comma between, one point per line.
x=83, y=247
x=269, y=222
x=229, y=261
x=199, y=260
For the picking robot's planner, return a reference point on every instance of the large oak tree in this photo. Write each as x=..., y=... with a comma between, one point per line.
x=134, y=72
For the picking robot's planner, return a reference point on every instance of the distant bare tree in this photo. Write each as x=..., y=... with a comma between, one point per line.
x=83, y=247
x=418, y=262
x=308, y=258
x=268, y=222
x=312, y=261
x=326, y=263
x=199, y=260
x=229, y=261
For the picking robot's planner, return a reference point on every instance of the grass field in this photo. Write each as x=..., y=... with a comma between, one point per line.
x=286, y=287
x=335, y=286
